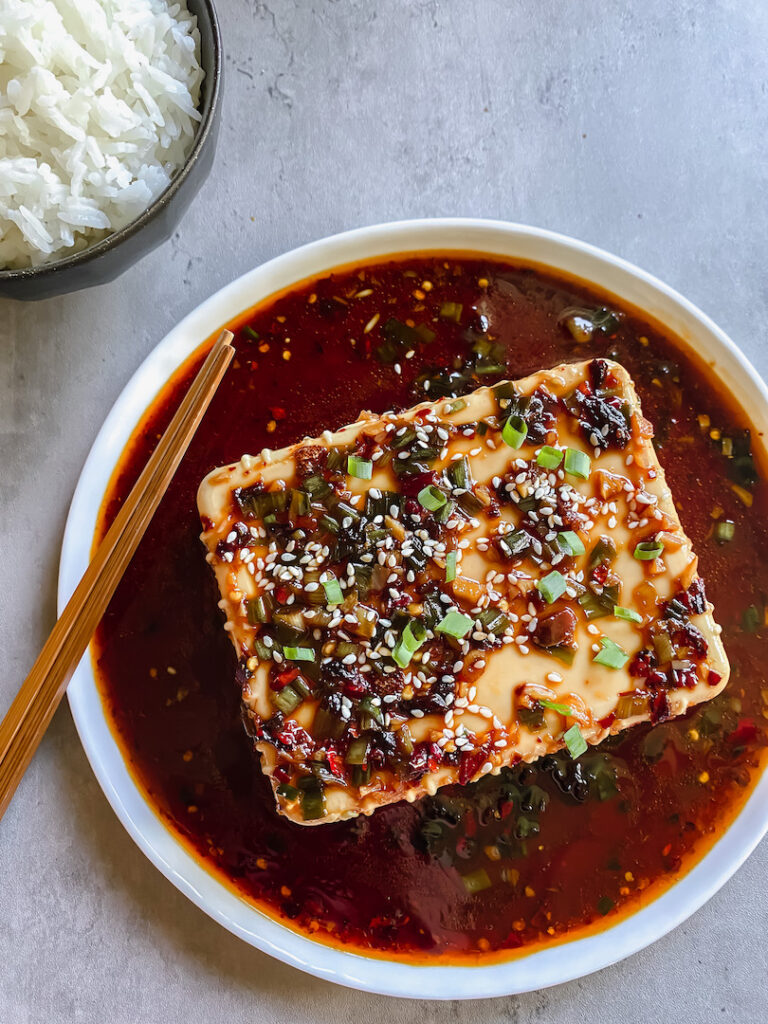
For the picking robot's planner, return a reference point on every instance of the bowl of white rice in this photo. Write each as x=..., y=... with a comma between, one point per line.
x=108, y=124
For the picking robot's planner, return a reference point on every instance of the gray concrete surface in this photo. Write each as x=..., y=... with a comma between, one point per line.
x=639, y=125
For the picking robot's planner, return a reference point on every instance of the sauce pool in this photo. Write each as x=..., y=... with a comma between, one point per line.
x=510, y=862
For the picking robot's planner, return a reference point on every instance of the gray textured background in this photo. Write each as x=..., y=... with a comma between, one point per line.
x=639, y=125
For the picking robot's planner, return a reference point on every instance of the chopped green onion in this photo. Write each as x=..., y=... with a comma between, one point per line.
x=454, y=624
x=299, y=653
x=287, y=791
x=647, y=550
x=515, y=544
x=451, y=311
x=287, y=700
x=549, y=457
x=357, y=752
x=551, y=586
x=574, y=741
x=333, y=594
x=577, y=463
x=605, y=905
x=611, y=654
x=664, y=648
x=476, y=881
x=260, y=609
x=571, y=543
x=411, y=639
x=627, y=613
x=457, y=405
x=253, y=335
x=750, y=619
x=361, y=468
x=515, y=431
x=312, y=799
x=450, y=566
x=431, y=498
x=603, y=551
x=562, y=709
x=725, y=531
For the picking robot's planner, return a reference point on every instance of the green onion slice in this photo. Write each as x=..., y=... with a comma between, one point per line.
x=549, y=457
x=454, y=624
x=627, y=613
x=551, y=586
x=476, y=881
x=562, y=709
x=431, y=498
x=361, y=468
x=610, y=654
x=450, y=566
x=574, y=741
x=411, y=639
x=647, y=550
x=299, y=653
x=577, y=463
x=515, y=431
x=571, y=543
x=333, y=594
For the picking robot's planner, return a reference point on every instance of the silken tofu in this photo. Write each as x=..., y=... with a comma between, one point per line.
x=428, y=596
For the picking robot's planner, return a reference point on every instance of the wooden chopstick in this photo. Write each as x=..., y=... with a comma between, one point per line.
x=32, y=709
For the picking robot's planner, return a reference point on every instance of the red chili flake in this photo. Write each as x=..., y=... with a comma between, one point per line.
x=714, y=678
x=472, y=762
x=335, y=763
x=291, y=735
x=745, y=732
x=278, y=412
x=282, y=774
x=470, y=824
x=282, y=594
x=660, y=707
x=411, y=485
x=283, y=678
x=607, y=722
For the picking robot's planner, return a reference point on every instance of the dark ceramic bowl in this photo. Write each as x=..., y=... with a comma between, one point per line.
x=107, y=259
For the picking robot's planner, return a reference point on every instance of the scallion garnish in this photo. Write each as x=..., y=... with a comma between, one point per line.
x=647, y=550
x=725, y=531
x=287, y=700
x=333, y=594
x=574, y=741
x=431, y=498
x=454, y=624
x=450, y=566
x=253, y=335
x=299, y=653
x=571, y=543
x=411, y=639
x=515, y=431
x=476, y=881
x=627, y=613
x=577, y=463
x=611, y=654
x=551, y=586
x=562, y=709
x=451, y=311
x=360, y=468
x=549, y=457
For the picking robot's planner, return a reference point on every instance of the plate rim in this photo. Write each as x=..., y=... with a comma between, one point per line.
x=542, y=968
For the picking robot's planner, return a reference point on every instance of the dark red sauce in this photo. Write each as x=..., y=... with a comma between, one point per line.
x=562, y=844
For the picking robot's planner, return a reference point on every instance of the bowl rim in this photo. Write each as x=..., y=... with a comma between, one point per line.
x=541, y=968
x=111, y=241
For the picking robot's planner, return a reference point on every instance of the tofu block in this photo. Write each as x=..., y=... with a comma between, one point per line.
x=425, y=597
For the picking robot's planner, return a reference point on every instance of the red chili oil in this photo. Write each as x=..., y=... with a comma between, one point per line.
x=542, y=852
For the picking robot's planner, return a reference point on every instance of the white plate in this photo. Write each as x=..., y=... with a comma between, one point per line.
x=537, y=970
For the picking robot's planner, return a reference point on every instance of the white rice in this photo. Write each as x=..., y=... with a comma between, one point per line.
x=98, y=109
